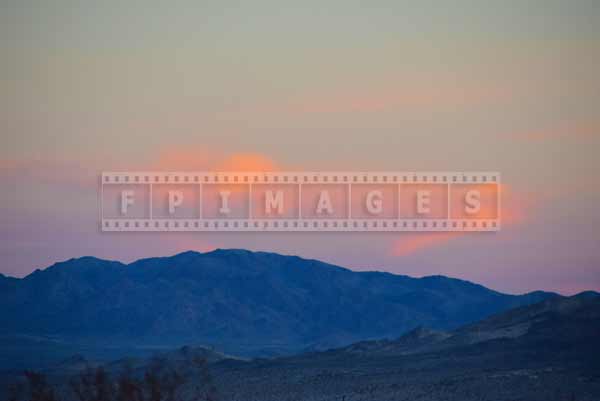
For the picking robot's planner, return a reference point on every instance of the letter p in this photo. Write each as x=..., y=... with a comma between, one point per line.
x=175, y=200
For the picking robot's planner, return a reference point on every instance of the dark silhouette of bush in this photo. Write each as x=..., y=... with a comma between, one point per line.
x=93, y=385
x=35, y=387
x=161, y=380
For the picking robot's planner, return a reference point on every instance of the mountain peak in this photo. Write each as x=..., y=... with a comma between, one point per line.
x=187, y=253
x=587, y=295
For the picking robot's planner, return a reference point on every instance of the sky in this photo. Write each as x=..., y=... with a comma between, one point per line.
x=508, y=86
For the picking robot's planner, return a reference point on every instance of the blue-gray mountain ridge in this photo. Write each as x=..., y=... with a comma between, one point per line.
x=241, y=302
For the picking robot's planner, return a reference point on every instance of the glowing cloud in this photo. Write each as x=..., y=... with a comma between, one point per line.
x=513, y=212
x=577, y=130
x=246, y=162
x=203, y=158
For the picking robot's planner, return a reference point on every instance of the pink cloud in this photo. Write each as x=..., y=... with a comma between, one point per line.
x=427, y=97
x=203, y=158
x=567, y=130
x=515, y=210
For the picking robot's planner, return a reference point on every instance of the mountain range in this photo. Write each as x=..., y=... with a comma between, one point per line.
x=240, y=302
x=547, y=351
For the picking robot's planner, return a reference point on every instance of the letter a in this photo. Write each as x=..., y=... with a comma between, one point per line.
x=324, y=204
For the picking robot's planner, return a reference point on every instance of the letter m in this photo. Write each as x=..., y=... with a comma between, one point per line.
x=274, y=201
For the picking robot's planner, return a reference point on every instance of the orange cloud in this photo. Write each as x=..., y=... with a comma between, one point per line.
x=246, y=162
x=205, y=159
x=411, y=243
x=513, y=211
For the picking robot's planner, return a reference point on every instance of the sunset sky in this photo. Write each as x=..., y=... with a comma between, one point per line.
x=508, y=86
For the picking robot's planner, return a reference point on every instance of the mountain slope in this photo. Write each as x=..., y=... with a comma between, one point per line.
x=239, y=301
x=554, y=358
x=557, y=320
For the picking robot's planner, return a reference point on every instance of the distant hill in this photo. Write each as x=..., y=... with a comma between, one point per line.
x=240, y=302
x=543, y=352
x=557, y=320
